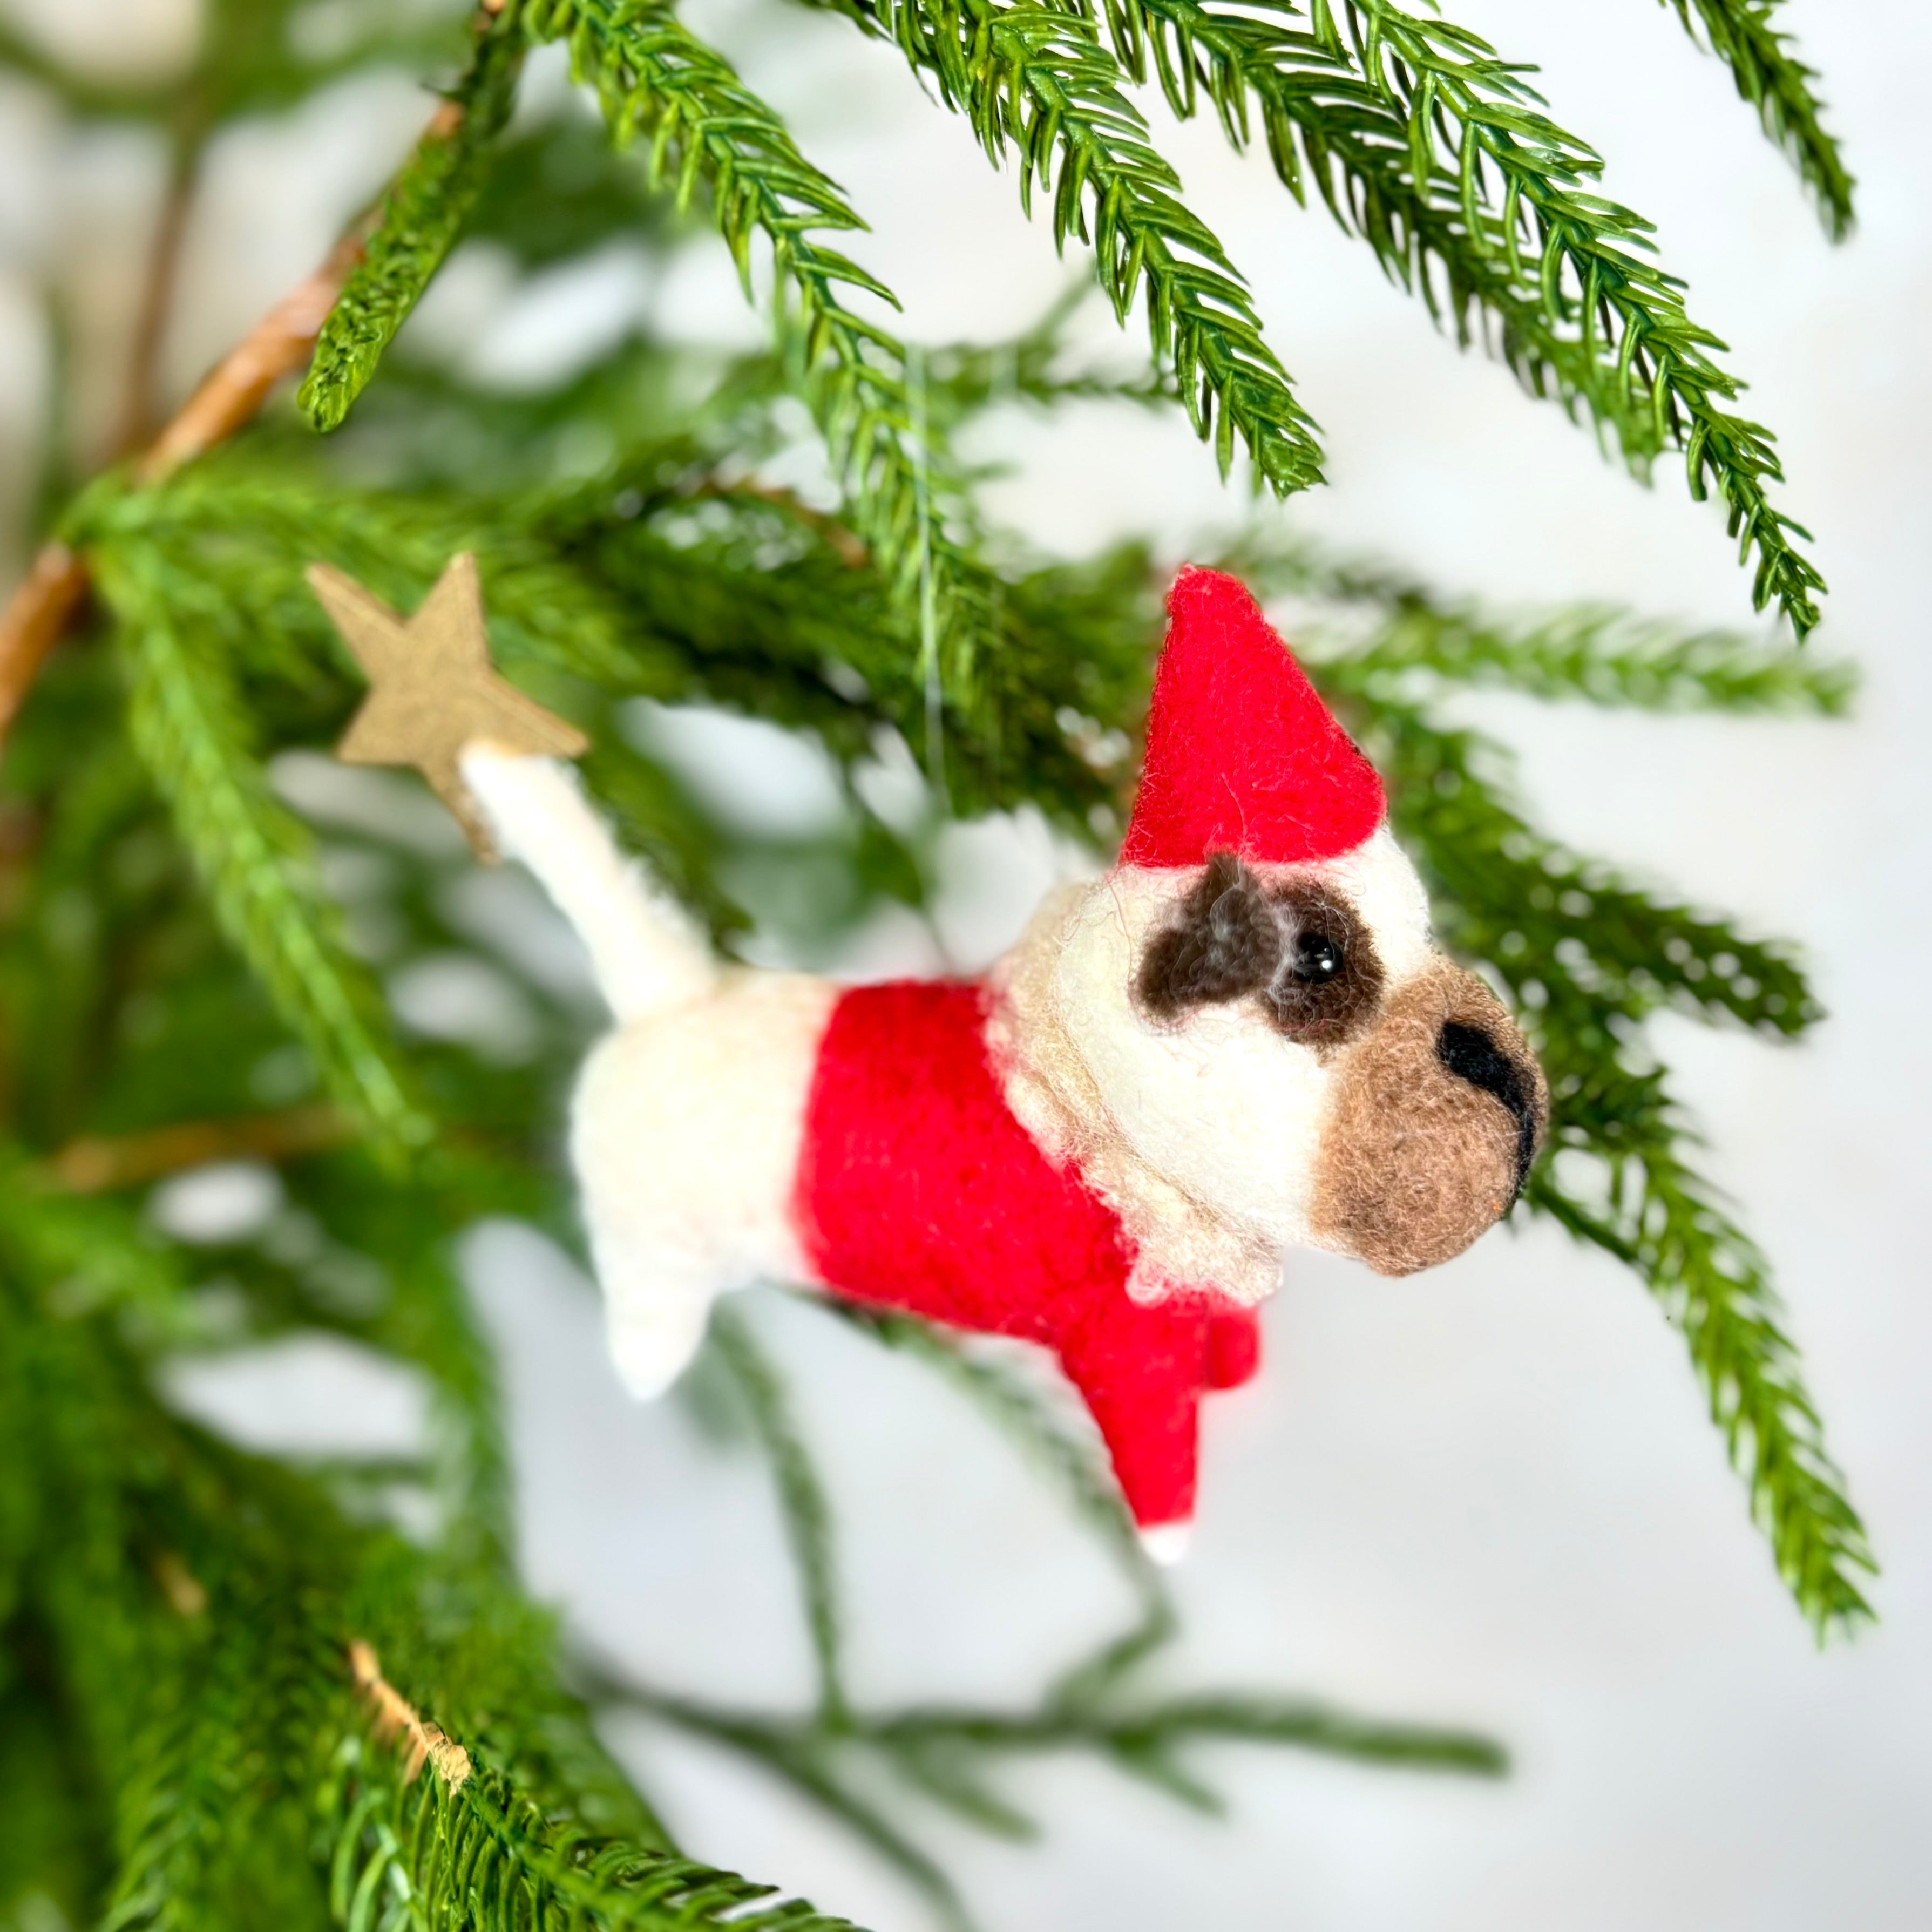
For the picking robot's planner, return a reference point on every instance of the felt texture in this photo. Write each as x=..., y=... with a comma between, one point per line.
x=1418, y=1157
x=1202, y=1130
x=1473, y=1054
x=1242, y=755
x=1292, y=943
x=918, y=1189
x=645, y=951
x=1241, y=1040
x=684, y=1134
x=432, y=691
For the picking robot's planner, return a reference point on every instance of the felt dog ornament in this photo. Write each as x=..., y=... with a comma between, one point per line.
x=1239, y=1041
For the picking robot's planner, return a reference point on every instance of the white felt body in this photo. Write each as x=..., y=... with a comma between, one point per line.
x=644, y=949
x=685, y=1125
x=1202, y=1133
x=685, y=1133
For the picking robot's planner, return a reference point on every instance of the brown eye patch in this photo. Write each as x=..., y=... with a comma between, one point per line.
x=1301, y=949
x=1225, y=943
x=1329, y=980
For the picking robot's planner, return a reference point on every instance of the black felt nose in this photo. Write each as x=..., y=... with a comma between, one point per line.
x=1473, y=1055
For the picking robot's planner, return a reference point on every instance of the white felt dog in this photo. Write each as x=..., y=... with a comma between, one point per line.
x=1239, y=1041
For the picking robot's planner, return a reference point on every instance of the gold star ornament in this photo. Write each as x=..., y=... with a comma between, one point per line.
x=432, y=691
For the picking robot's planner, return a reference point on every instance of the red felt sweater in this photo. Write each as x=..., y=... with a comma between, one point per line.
x=919, y=1189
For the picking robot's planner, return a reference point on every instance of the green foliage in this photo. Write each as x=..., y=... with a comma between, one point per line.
x=422, y=215
x=1419, y=138
x=1032, y=79
x=204, y=929
x=1743, y=34
x=1520, y=177
x=1586, y=957
x=808, y=1512
x=865, y=390
x=483, y=1854
x=188, y=725
x=946, y=1754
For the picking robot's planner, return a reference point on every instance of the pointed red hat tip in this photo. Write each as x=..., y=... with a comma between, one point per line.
x=1242, y=755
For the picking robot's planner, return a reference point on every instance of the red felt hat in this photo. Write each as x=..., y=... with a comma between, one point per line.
x=1242, y=756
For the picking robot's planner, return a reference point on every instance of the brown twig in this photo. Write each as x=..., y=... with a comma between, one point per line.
x=36, y=615
x=396, y=1717
x=99, y=1164
x=278, y=346
x=40, y=609
x=140, y=407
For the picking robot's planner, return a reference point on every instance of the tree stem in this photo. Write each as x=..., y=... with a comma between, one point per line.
x=99, y=1164
x=141, y=406
x=38, y=613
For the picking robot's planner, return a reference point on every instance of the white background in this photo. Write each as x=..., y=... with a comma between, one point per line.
x=1489, y=1496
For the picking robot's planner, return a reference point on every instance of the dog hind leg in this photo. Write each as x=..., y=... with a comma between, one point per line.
x=656, y=1308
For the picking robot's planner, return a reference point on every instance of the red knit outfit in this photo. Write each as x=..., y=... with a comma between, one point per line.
x=919, y=1189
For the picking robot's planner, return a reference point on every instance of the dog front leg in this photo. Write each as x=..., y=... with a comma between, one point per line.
x=1142, y=1371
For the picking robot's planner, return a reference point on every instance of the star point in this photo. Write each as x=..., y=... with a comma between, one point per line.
x=432, y=690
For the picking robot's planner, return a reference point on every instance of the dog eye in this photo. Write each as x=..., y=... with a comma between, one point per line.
x=1319, y=958
x=1329, y=983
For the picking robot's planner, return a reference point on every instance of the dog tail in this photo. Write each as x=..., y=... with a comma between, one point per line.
x=647, y=953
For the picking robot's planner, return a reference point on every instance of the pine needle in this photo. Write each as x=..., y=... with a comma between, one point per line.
x=1036, y=84
x=1743, y=34
x=189, y=724
x=421, y=216
x=1419, y=138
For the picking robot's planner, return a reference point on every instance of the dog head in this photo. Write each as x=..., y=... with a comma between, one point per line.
x=1247, y=1024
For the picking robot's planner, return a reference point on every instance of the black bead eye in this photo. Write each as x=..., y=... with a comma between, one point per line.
x=1330, y=981
x=1318, y=959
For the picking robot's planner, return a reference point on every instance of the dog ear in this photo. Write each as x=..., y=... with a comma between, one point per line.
x=1225, y=943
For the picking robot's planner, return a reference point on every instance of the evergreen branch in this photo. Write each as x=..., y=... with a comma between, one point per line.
x=218, y=1698
x=942, y=1750
x=801, y=1497
x=608, y=584
x=93, y=1255
x=478, y=1855
x=1033, y=79
x=195, y=1805
x=864, y=392
x=807, y=1758
x=1599, y=653
x=1584, y=957
x=421, y=216
x=52, y=595
x=227, y=398
x=428, y=1320
x=1769, y=75
x=1139, y=1735
x=1461, y=101
x=967, y=378
x=1141, y=1739
x=1663, y=1220
x=190, y=728
x=1070, y=1461
x=1540, y=914
x=1603, y=654
x=1474, y=198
